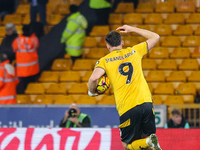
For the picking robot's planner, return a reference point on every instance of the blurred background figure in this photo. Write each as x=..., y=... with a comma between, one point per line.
x=102, y=10
x=38, y=6
x=74, y=118
x=74, y=33
x=6, y=45
x=177, y=120
x=6, y=7
x=25, y=47
x=8, y=81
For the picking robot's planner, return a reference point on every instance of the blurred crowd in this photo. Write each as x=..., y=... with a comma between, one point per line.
x=19, y=52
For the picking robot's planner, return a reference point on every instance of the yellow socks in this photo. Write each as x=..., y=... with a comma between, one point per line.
x=138, y=144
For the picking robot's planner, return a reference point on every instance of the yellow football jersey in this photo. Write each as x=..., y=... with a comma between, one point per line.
x=124, y=69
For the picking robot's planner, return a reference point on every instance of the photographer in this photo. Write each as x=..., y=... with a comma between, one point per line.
x=74, y=118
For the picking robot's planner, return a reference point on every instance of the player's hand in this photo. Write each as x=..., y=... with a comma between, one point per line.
x=125, y=29
x=92, y=94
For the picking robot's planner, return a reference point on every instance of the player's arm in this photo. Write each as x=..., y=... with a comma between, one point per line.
x=152, y=38
x=93, y=81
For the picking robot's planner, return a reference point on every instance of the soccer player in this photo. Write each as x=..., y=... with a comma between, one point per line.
x=132, y=95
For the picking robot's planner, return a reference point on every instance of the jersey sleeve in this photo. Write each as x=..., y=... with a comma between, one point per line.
x=141, y=48
x=100, y=64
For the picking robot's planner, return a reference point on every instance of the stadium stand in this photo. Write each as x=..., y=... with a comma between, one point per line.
x=174, y=100
x=61, y=64
x=2, y=31
x=149, y=64
x=189, y=64
x=164, y=88
x=176, y=76
x=155, y=76
x=165, y=7
x=78, y=88
x=64, y=99
x=183, y=30
x=194, y=76
x=43, y=99
x=23, y=99
x=167, y=64
x=70, y=76
x=180, y=52
x=107, y=100
x=125, y=8
x=56, y=88
x=90, y=42
x=163, y=29
x=48, y=76
x=157, y=100
x=85, y=99
x=185, y=6
x=186, y=88
x=159, y=52
x=173, y=63
x=133, y=18
x=153, y=18
x=144, y=8
x=115, y=19
x=171, y=41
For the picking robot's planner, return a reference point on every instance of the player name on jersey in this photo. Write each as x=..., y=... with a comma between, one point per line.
x=120, y=57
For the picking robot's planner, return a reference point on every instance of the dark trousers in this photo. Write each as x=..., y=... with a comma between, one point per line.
x=102, y=16
x=23, y=82
x=41, y=9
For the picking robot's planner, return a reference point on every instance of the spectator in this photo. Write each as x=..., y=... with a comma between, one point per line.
x=6, y=45
x=6, y=7
x=74, y=118
x=102, y=10
x=38, y=6
x=177, y=120
x=8, y=81
x=25, y=46
x=37, y=28
x=74, y=34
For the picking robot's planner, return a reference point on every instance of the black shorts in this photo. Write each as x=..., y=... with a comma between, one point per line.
x=137, y=122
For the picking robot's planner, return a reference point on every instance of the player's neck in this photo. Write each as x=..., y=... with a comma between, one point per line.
x=115, y=48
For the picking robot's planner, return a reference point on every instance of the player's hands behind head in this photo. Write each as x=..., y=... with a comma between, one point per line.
x=125, y=29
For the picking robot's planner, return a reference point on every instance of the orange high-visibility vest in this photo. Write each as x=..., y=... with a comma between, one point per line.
x=26, y=55
x=8, y=83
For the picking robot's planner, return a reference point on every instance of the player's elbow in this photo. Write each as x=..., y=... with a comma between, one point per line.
x=157, y=37
x=93, y=79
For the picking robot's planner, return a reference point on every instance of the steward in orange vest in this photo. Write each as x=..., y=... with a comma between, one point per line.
x=25, y=46
x=8, y=81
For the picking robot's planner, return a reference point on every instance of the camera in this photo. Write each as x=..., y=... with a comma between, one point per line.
x=72, y=112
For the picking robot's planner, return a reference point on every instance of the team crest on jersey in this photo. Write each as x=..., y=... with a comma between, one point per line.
x=133, y=51
x=97, y=63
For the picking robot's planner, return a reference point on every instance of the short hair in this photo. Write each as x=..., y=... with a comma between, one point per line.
x=113, y=38
x=27, y=30
x=176, y=112
x=73, y=8
x=11, y=25
x=3, y=57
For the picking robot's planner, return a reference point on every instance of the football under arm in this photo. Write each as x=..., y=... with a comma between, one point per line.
x=93, y=81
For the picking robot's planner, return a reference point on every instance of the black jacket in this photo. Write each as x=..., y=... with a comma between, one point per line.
x=85, y=123
x=6, y=46
x=40, y=1
x=170, y=123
